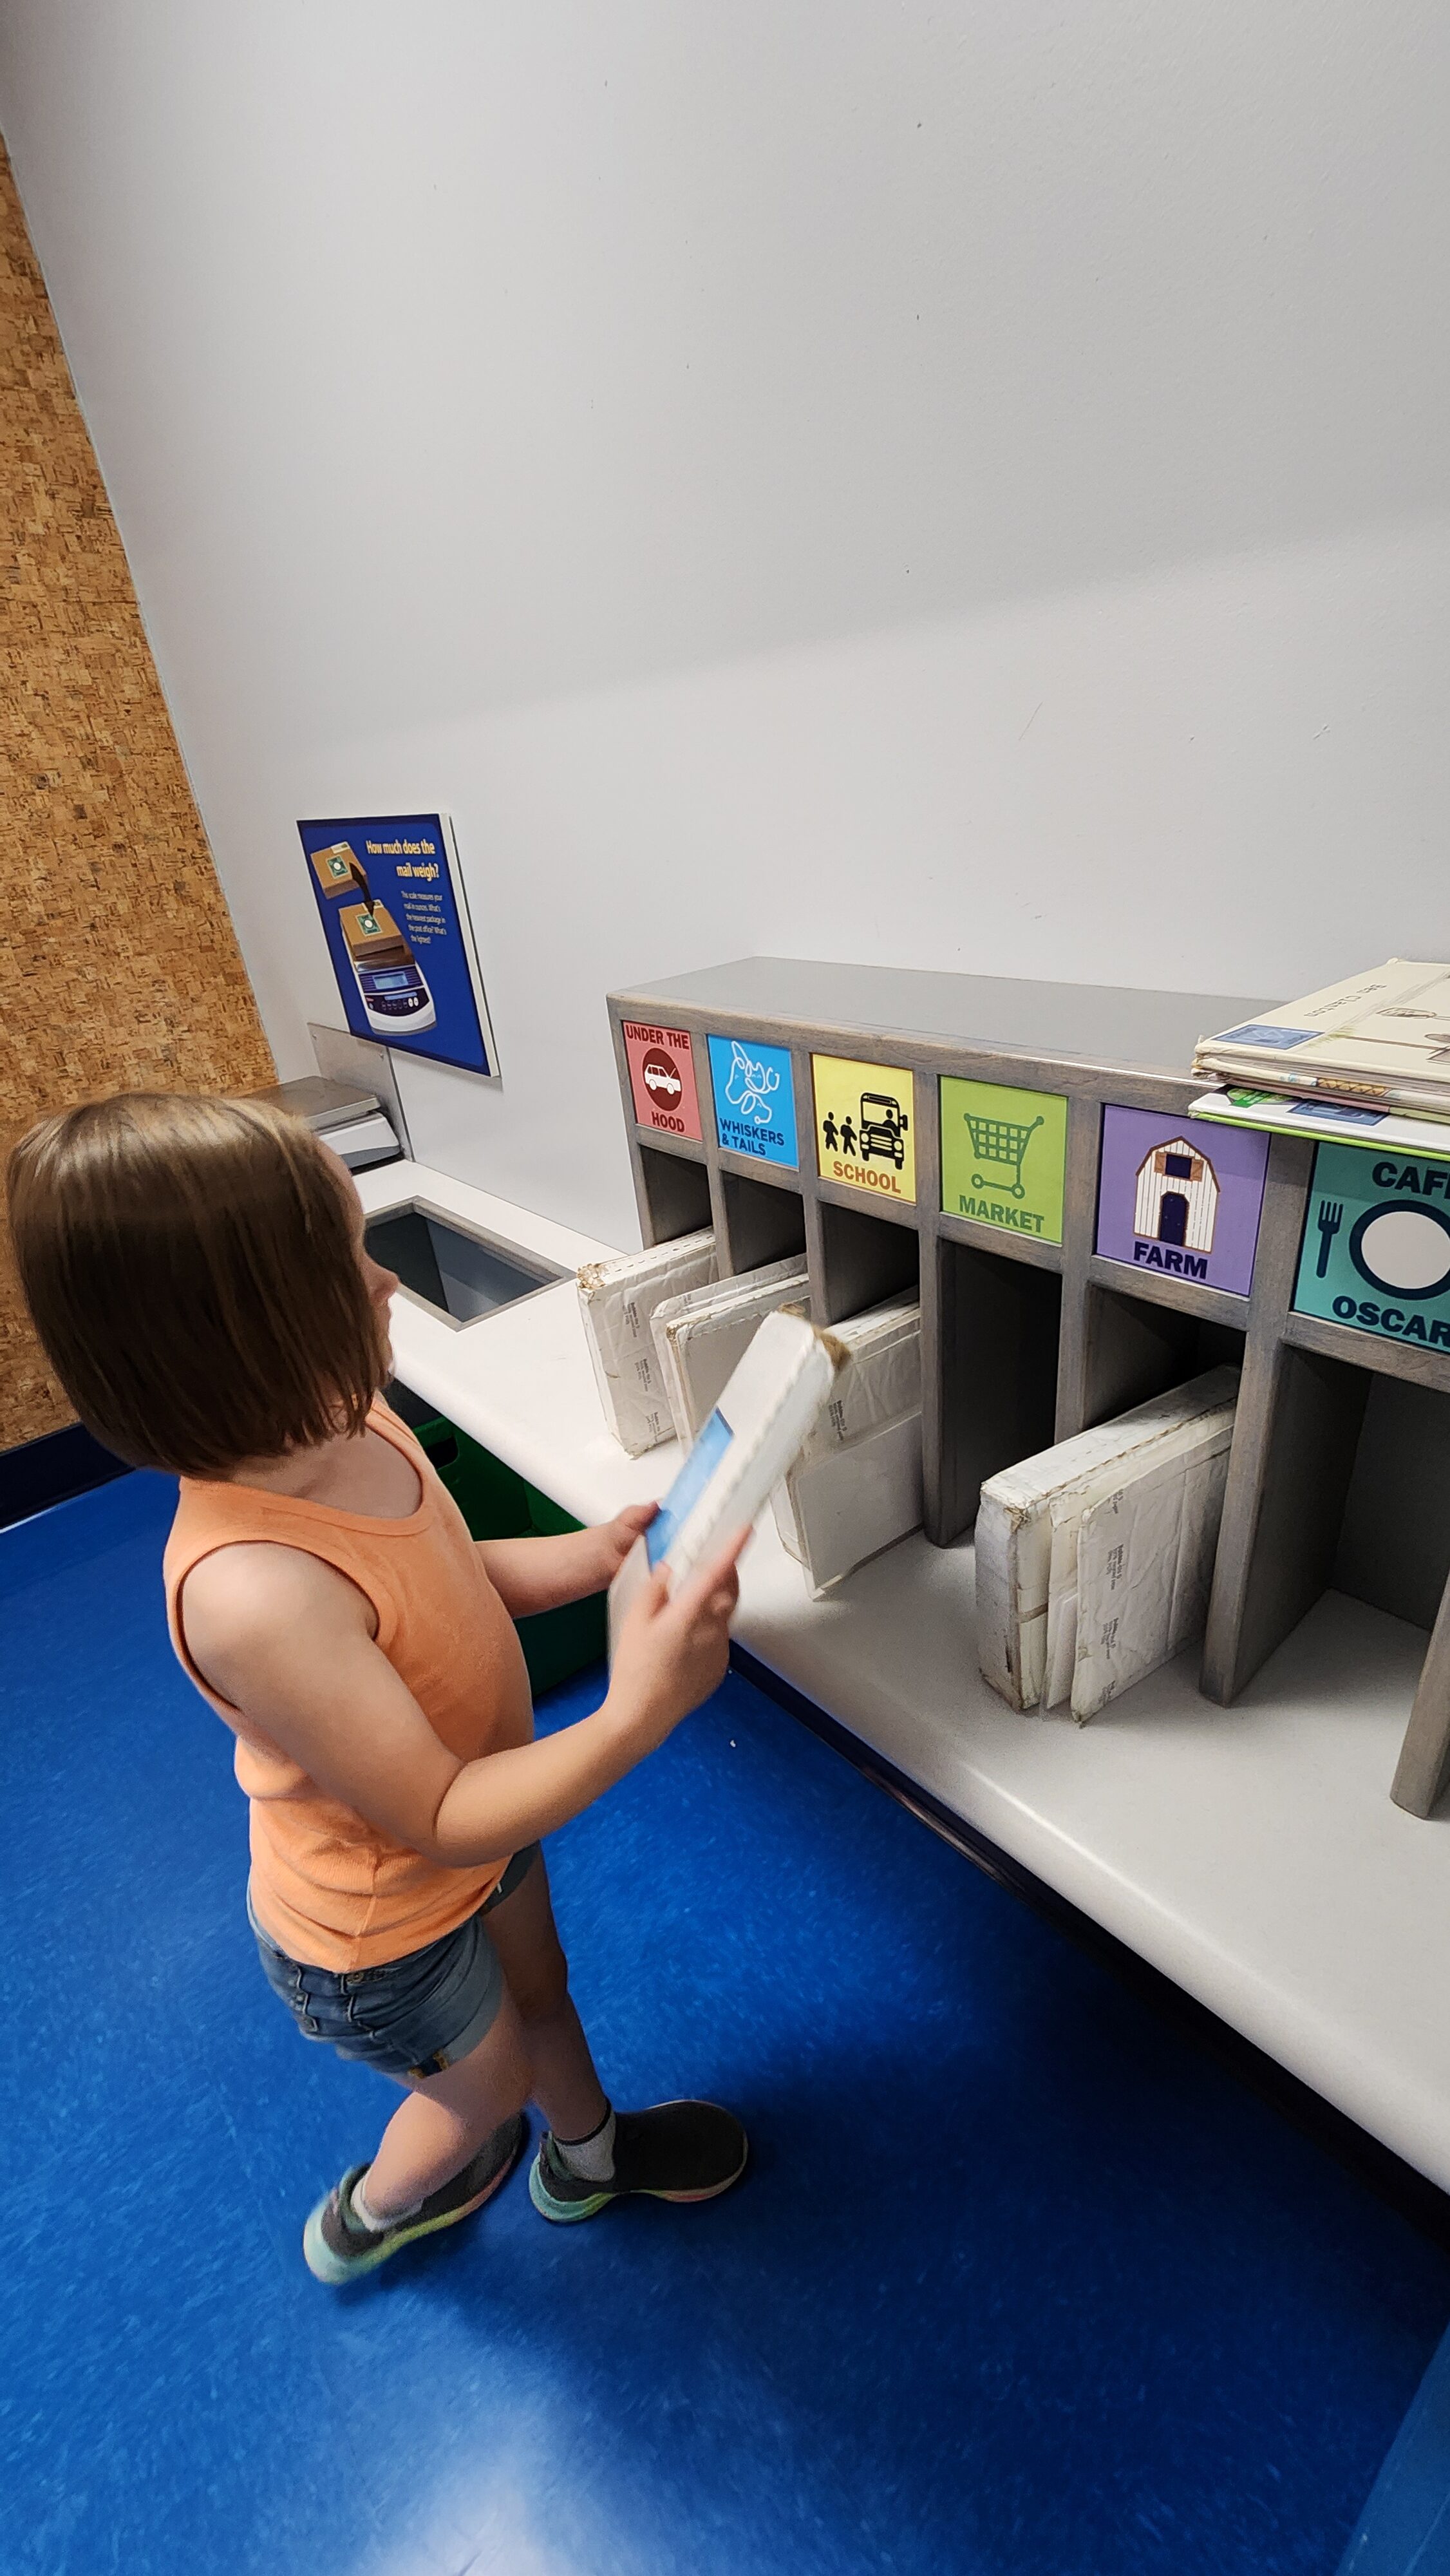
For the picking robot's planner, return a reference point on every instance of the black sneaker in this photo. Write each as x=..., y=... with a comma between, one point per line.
x=339, y=2248
x=677, y=2151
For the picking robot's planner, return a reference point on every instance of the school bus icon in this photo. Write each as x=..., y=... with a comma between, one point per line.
x=883, y=1127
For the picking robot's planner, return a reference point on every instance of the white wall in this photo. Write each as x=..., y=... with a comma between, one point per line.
x=961, y=484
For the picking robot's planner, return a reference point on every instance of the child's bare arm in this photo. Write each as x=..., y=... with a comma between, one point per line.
x=287, y=1641
x=531, y=1574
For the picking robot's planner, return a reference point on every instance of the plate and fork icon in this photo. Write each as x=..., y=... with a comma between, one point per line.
x=1400, y=1250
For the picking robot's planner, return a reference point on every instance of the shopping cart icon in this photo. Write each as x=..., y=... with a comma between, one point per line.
x=999, y=1141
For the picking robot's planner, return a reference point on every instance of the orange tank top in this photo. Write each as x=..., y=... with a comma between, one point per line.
x=329, y=1888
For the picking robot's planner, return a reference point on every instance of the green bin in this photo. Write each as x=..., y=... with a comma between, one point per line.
x=497, y=1503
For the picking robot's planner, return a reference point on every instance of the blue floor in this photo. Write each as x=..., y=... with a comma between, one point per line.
x=1021, y=2283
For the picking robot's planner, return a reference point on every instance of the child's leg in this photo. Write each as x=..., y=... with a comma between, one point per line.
x=445, y=2120
x=674, y=2151
x=561, y=2076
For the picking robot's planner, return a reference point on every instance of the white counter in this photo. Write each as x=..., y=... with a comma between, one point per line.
x=1251, y=1853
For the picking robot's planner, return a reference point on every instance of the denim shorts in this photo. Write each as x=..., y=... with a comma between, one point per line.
x=408, y=2017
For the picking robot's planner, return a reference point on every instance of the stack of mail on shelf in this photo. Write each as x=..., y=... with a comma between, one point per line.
x=1095, y=1559
x=1377, y=1041
x=700, y=1337
x=856, y=1487
x=618, y=1300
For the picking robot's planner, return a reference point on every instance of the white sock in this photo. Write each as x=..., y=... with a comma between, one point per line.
x=591, y=2159
x=358, y=2209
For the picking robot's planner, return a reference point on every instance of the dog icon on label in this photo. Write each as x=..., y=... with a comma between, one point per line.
x=751, y=1084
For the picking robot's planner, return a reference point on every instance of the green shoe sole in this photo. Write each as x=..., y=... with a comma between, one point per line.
x=566, y=2213
x=563, y=2213
x=335, y=2269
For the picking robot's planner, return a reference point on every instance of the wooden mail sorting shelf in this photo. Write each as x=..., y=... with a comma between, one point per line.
x=1023, y=1156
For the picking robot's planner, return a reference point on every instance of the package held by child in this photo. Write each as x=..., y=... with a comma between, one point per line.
x=750, y=1440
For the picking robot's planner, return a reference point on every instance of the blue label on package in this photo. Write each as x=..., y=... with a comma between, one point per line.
x=1264, y=1033
x=1335, y=1113
x=1377, y=1244
x=754, y=1100
x=688, y=1486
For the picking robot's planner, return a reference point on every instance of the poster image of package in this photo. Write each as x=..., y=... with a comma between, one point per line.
x=1178, y=1196
x=1002, y=1155
x=1376, y=1252
x=754, y=1100
x=395, y=916
x=662, y=1078
x=865, y=1126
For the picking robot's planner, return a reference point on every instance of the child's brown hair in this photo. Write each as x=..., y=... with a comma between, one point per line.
x=191, y=1267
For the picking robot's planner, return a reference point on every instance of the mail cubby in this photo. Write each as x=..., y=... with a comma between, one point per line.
x=992, y=1326
x=673, y=1194
x=1394, y=1538
x=1134, y=1347
x=762, y=1222
x=1342, y=1483
x=863, y=1259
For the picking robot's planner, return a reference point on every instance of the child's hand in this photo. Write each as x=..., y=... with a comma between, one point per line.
x=533, y=1574
x=673, y=1647
x=614, y=1539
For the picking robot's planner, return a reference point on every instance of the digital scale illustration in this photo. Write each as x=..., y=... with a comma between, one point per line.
x=395, y=917
x=1376, y=1252
x=391, y=984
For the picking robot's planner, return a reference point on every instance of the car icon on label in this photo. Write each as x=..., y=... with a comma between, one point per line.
x=662, y=1078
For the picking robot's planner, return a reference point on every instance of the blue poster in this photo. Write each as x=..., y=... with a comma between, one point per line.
x=395, y=916
x=754, y=1100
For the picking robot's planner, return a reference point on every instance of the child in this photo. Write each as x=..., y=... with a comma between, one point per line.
x=196, y=1271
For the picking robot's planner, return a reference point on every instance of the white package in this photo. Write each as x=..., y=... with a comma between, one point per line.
x=701, y=1335
x=617, y=1300
x=1203, y=1435
x=1014, y=1527
x=856, y=1487
x=1145, y=1559
x=879, y=1379
x=836, y=1511
x=752, y=1437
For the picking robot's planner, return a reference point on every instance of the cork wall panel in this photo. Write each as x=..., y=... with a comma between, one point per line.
x=121, y=967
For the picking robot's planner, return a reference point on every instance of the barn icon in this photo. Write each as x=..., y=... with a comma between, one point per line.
x=1177, y=1196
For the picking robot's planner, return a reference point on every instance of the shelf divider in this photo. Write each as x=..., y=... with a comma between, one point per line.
x=1425, y=1754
